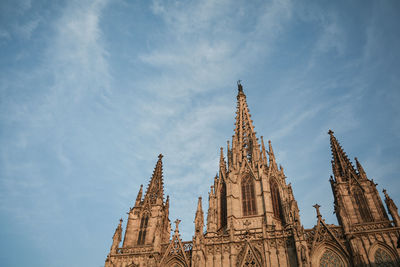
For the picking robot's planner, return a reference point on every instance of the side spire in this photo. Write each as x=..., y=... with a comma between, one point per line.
x=155, y=189
x=263, y=152
x=222, y=163
x=139, y=196
x=244, y=143
x=392, y=208
x=199, y=219
x=116, y=238
x=360, y=169
x=341, y=165
x=272, y=160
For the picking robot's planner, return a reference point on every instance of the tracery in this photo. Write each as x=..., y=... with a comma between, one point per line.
x=382, y=258
x=330, y=259
x=276, y=204
x=143, y=229
x=248, y=196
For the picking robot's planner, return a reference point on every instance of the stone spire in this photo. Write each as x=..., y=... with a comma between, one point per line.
x=139, y=196
x=392, y=209
x=211, y=214
x=222, y=164
x=360, y=170
x=244, y=141
x=199, y=219
x=263, y=152
x=116, y=238
x=155, y=189
x=341, y=165
x=272, y=160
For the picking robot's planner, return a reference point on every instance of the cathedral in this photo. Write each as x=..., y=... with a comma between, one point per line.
x=253, y=217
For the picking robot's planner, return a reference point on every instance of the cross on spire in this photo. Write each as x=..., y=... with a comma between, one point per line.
x=177, y=221
x=316, y=206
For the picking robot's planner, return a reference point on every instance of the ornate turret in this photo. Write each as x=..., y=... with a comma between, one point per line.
x=360, y=169
x=139, y=196
x=116, y=238
x=263, y=152
x=392, y=208
x=272, y=160
x=199, y=218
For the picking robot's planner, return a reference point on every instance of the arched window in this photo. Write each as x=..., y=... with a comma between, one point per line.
x=248, y=196
x=223, y=204
x=276, y=200
x=142, y=230
x=330, y=259
x=362, y=205
x=382, y=258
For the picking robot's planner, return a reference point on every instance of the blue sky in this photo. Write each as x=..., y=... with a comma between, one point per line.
x=92, y=91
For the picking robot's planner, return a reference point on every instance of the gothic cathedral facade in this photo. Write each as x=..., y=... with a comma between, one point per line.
x=253, y=218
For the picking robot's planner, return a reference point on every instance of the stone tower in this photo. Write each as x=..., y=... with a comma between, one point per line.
x=359, y=209
x=251, y=205
x=148, y=225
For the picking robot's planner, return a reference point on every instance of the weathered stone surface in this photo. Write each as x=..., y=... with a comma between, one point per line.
x=253, y=218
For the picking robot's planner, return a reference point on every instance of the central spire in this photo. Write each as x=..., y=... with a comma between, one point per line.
x=244, y=143
x=155, y=190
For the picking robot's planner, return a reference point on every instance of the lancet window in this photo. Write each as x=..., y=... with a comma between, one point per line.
x=276, y=203
x=362, y=205
x=143, y=229
x=248, y=196
x=223, y=204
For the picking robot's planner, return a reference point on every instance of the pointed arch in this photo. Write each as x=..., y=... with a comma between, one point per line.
x=276, y=199
x=330, y=258
x=143, y=229
x=382, y=255
x=383, y=258
x=248, y=196
x=329, y=254
x=249, y=256
x=362, y=205
x=223, y=205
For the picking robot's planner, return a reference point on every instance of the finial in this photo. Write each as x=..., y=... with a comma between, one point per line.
x=160, y=156
x=330, y=132
x=316, y=206
x=240, y=87
x=384, y=192
x=177, y=221
x=120, y=221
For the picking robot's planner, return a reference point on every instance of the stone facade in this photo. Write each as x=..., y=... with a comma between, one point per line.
x=253, y=218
